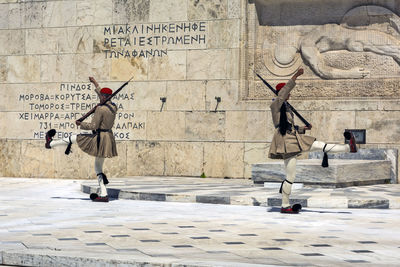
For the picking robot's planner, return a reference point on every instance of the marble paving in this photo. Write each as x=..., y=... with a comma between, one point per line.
x=50, y=222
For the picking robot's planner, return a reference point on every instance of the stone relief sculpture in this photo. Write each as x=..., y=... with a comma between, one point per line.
x=363, y=29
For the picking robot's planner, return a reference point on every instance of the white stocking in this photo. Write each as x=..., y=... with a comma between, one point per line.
x=330, y=148
x=98, y=168
x=64, y=141
x=290, y=168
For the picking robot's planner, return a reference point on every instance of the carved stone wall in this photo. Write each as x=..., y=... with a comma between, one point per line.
x=190, y=52
x=349, y=49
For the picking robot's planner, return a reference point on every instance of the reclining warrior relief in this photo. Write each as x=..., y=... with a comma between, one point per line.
x=333, y=37
x=310, y=47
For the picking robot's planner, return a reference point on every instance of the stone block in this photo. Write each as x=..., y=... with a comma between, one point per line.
x=389, y=149
x=387, y=154
x=299, y=13
x=227, y=90
x=340, y=173
x=32, y=14
x=328, y=203
x=130, y=125
x=168, y=10
x=43, y=41
x=10, y=93
x=4, y=42
x=91, y=65
x=126, y=12
x=122, y=69
x=57, y=68
x=170, y=67
x=77, y=165
x=185, y=95
x=368, y=203
x=16, y=44
x=207, y=10
x=33, y=165
x=329, y=126
x=382, y=126
x=145, y=158
x=14, y=16
x=76, y=40
x=248, y=126
x=254, y=153
x=4, y=17
x=183, y=159
x=116, y=166
x=205, y=126
x=59, y=14
x=165, y=126
x=202, y=64
x=23, y=69
x=147, y=95
x=220, y=37
x=94, y=12
x=234, y=9
x=10, y=157
x=219, y=159
x=3, y=69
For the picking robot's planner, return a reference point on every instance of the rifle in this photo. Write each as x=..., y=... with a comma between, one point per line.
x=105, y=100
x=287, y=103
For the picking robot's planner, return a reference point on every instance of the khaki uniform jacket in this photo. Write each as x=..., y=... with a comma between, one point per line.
x=294, y=141
x=103, y=118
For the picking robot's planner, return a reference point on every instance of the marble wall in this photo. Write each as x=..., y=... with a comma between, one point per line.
x=189, y=52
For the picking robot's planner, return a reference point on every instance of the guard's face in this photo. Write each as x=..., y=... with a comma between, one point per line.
x=103, y=97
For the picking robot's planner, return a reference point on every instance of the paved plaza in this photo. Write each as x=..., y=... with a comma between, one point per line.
x=51, y=222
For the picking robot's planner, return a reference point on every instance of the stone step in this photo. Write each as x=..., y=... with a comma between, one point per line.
x=340, y=173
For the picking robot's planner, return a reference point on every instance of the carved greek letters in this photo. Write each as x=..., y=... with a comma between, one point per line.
x=59, y=110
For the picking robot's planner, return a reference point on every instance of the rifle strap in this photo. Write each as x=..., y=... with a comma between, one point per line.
x=110, y=108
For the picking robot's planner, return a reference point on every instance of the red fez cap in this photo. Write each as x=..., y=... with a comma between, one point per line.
x=279, y=86
x=106, y=90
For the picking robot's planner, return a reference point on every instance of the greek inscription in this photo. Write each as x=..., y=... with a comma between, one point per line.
x=60, y=109
x=151, y=40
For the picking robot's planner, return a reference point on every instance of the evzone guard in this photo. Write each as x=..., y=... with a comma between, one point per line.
x=289, y=140
x=100, y=143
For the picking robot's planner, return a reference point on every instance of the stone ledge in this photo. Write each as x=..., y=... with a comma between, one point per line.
x=87, y=259
x=340, y=173
x=243, y=192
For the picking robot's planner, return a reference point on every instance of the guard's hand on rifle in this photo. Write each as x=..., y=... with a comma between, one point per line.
x=78, y=122
x=308, y=127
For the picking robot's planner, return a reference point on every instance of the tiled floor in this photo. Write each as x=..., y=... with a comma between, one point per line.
x=51, y=223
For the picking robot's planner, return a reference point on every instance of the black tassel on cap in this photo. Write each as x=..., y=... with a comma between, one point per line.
x=325, y=159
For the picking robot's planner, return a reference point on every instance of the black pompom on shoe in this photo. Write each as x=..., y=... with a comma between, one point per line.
x=347, y=135
x=49, y=137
